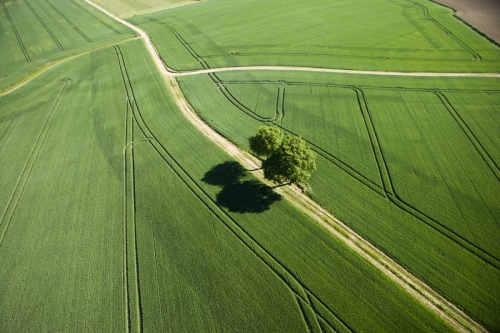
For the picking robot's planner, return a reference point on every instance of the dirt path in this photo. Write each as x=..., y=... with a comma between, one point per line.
x=329, y=70
x=445, y=309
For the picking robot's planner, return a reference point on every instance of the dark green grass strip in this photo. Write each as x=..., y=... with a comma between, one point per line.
x=69, y=22
x=490, y=162
x=282, y=272
x=279, y=113
x=25, y=173
x=96, y=17
x=476, y=56
x=135, y=322
x=44, y=25
x=19, y=40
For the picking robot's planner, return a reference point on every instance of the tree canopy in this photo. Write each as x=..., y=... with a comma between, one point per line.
x=289, y=158
x=267, y=140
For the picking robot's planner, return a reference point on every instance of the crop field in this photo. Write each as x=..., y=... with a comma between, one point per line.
x=118, y=215
x=421, y=161
x=36, y=32
x=397, y=35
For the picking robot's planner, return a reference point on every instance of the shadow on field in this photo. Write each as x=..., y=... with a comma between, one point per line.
x=238, y=195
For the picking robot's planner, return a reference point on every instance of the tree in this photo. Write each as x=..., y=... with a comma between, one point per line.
x=267, y=140
x=292, y=162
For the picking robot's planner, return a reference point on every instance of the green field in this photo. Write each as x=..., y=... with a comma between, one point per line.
x=118, y=212
x=397, y=35
x=118, y=215
x=33, y=33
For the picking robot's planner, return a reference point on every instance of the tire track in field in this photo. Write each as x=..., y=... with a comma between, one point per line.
x=96, y=18
x=186, y=45
x=233, y=100
x=44, y=25
x=15, y=197
x=69, y=22
x=132, y=290
x=221, y=215
x=19, y=40
x=157, y=280
x=386, y=265
x=490, y=162
x=475, y=55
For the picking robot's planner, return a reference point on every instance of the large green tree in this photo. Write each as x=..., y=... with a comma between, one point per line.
x=289, y=159
x=292, y=162
x=267, y=140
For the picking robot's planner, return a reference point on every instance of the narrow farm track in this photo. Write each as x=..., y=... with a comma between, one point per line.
x=326, y=70
x=434, y=301
x=131, y=262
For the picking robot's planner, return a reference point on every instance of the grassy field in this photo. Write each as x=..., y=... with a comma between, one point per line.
x=36, y=32
x=420, y=156
x=377, y=35
x=117, y=213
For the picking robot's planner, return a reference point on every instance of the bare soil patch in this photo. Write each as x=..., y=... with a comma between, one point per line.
x=482, y=14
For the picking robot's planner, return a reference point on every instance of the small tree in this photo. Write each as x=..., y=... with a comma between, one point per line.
x=292, y=162
x=267, y=140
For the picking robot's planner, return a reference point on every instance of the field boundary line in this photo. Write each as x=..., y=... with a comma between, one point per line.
x=18, y=190
x=19, y=40
x=417, y=288
x=44, y=25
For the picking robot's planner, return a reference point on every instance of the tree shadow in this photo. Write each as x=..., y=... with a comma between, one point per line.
x=239, y=195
